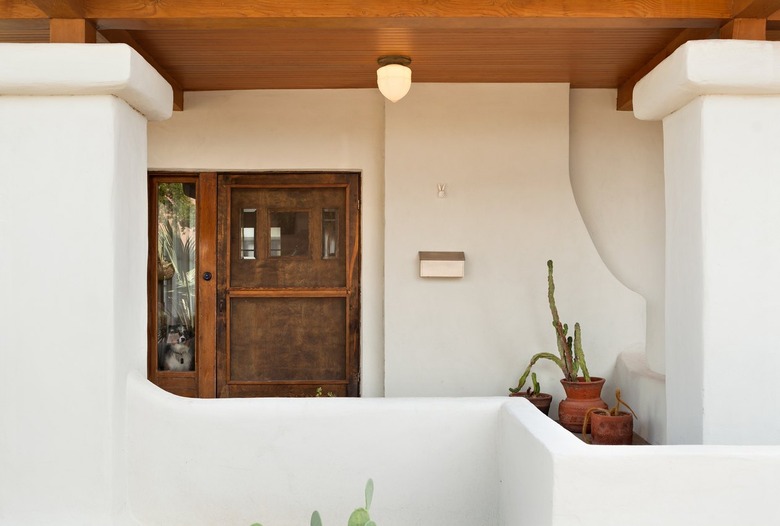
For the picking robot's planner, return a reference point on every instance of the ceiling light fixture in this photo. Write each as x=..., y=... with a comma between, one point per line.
x=394, y=77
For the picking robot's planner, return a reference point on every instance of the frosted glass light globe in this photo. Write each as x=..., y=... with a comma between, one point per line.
x=394, y=81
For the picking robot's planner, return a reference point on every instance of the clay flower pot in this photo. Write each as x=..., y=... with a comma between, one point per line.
x=612, y=429
x=580, y=396
x=542, y=401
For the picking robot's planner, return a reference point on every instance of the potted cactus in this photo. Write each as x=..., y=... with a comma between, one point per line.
x=533, y=394
x=610, y=426
x=583, y=392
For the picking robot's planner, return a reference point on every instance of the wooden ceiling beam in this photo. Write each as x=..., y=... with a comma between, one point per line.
x=215, y=9
x=120, y=36
x=61, y=8
x=755, y=8
x=625, y=93
x=218, y=14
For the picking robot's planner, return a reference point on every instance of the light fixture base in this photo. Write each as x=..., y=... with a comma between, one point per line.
x=394, y=59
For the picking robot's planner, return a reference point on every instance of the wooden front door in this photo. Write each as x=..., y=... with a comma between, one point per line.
x=254, y=284
x=287, y=285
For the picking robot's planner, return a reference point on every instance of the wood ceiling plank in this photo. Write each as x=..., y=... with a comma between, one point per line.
x=61, y=8
x=625, y=94
x=124, y=37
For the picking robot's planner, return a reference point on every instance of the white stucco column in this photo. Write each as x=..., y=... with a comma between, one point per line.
x=73, y=249
x=720, y=105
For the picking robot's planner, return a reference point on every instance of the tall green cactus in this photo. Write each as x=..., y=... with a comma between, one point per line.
x=571, y=358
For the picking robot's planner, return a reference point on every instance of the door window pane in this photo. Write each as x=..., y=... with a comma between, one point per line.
x=330, y=233
x=248, y=225
x=289, y=234
x=176, y=268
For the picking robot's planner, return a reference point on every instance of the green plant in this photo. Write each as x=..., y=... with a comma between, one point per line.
x=571, y=358
x=318, y=393
x=536, y=388
x=176, y=257
x=359, y=517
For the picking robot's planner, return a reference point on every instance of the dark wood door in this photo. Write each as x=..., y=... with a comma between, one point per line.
x=288, y=284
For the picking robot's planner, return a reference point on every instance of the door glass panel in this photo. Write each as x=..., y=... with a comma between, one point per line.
x=289, y=234
x=176, y=268
x=330, y=233
x=248, y=226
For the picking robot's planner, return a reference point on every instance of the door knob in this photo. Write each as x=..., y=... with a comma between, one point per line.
x=207, y=276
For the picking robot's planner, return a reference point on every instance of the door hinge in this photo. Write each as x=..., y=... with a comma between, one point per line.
x=358, y=204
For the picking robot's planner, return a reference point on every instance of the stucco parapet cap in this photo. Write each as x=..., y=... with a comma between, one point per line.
x=708, y=67
x=85, y=69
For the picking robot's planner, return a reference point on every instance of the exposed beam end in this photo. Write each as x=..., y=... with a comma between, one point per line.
x=72, y=31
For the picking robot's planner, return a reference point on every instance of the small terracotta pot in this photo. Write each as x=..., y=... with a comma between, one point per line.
x=580, y=396
x=614, y=430
x=542, y=401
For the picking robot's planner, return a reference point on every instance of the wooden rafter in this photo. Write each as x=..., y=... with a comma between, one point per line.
x=755, y=8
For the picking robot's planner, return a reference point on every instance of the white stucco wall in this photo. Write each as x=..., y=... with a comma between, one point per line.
x=73, y=245
x=637, y=485
x=503, y=152
x=274, y=461
x=436, y=461
x=720, y=105
x=617, y=177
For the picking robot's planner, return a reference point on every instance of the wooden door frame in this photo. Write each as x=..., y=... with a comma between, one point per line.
x=201, y=382
x=210, y=308
x=350, y=181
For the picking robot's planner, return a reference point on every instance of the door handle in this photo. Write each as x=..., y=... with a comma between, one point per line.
x=207, y=276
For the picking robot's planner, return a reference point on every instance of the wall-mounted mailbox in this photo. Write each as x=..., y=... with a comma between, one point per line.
x=442, y=264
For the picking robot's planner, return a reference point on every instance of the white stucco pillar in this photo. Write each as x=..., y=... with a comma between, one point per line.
x=73, y=249
x=720, y=105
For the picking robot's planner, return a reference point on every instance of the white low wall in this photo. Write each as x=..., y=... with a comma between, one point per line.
x=434, y=461
x=565, y=481
x=238, y=461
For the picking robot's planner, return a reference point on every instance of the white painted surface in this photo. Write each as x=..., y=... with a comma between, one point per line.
x=206, y=462
x=637, y=485
x=708, y=67
x=503, y=152
x=73, y=245
x=617, y=175
x=294, y=130
x=73, y=318
x=459, y=461
x=75, y=69
x=722, y=192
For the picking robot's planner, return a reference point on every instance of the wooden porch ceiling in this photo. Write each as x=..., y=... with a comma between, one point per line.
x=304, y=44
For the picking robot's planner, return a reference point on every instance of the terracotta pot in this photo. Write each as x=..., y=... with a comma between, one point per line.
x=580, y=396
x=542, y=401
x=614, y=430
